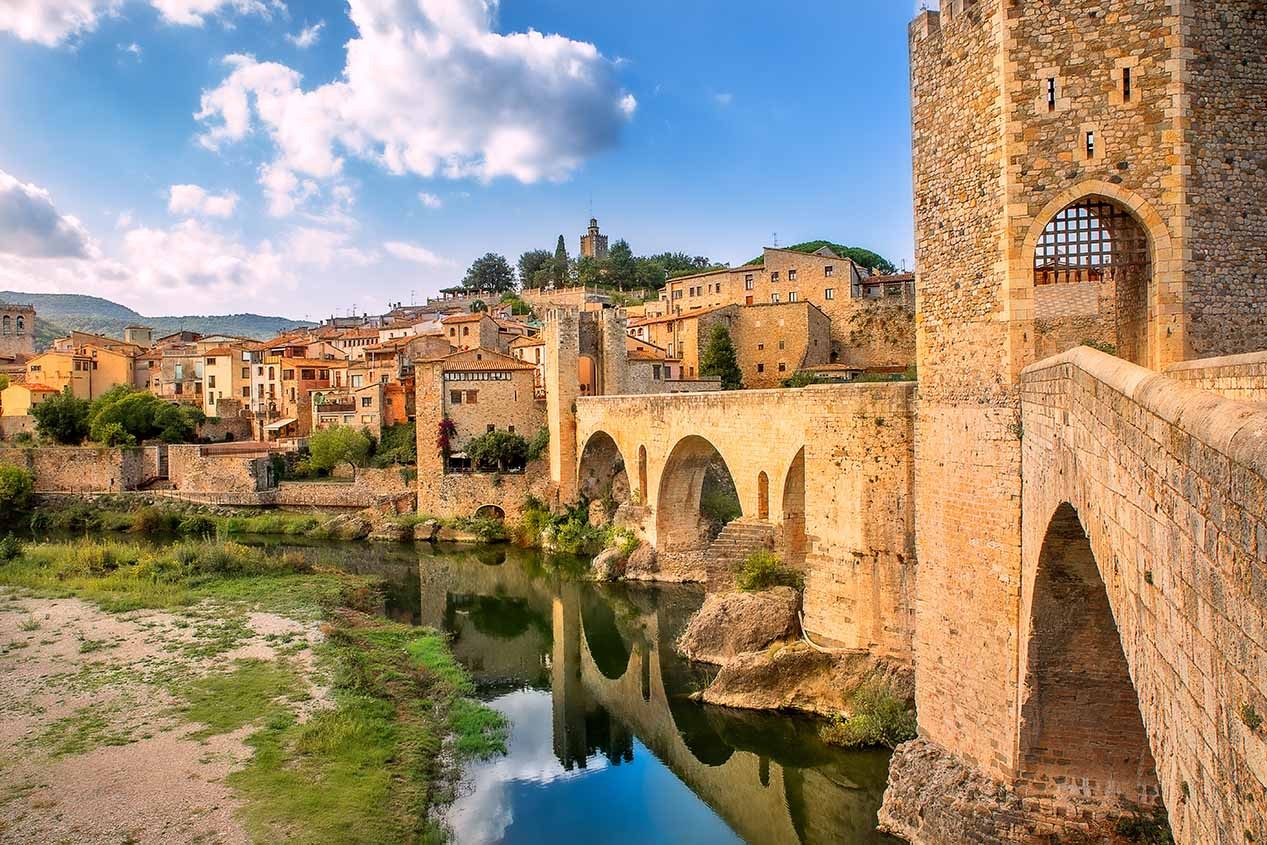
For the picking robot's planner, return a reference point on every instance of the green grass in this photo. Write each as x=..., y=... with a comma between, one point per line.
x=225, y=701
x=82, y=731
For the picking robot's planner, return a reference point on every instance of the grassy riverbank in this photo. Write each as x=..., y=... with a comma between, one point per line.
x=354, y=727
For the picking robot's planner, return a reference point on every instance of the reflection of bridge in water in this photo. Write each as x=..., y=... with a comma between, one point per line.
x=606, y=654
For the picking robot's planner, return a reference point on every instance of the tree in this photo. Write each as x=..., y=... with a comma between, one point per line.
x=62, y=418
x=124, y=417
x=622, y=268
x=16, y=488
x=178, y=423
x=588, y=271
x=498, y=450
x=561, y=263
x=490, y=272
x=479, y=306
x=341, y=444
x=530, y=263
x=718, y=360
x=4, y=381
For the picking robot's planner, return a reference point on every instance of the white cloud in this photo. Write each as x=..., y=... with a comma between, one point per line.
x=416, y=254
x=32, y=227
x=308, y=36
x=193, y=200
x=52, y=22
x=325, y=248
x=431, y=89
x=192, y=257
x=133, y=49
x=430, y=200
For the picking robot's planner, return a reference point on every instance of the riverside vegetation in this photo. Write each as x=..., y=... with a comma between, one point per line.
x=358, y=741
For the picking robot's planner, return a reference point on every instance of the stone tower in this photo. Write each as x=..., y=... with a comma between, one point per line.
x=17, y=331
x=1082, y=171
x=593, y=243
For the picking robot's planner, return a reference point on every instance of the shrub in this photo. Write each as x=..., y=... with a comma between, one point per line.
x=113, y=434
x=62, y=419
x=1106, y=348
x=763, y=570
x=16, y=488
x=197, y=524
x=805, y=380
x=399, y=445
x=879, y=718
x=10, y=548
x=539, y=443
x=488, y=530
x=331, y=447
x=498, y=450
x=1152, y=829
x=154, y=521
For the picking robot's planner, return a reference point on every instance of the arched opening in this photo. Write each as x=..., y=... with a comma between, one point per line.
x=697, y=497
x=492, y=512
x=6, y=325
x=1081, y=737
x=763, y=496
x=794, y=543
x=642, y=475
x=1093, y=270
x=587, y=375
x=602, y=475
x=21, y=324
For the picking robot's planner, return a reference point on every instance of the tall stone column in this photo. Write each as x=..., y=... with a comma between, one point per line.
x=562, y=351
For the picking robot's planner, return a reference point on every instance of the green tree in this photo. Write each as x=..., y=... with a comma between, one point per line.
x=490, y=272
x=331, y=447
x=16, y=488
x=178, y=423
x=517, y=306
x=588, y=271
x=479, y=306
x=622, y=267
x=561, y=264
x=719, y=361
x=63, y=418
x=861, y=257
x=124, y=417
x=498, y=450
x=530, y=263
x=112, y=434
x=4, y=381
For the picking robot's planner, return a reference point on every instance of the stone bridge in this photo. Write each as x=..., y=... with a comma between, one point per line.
x=827, y=468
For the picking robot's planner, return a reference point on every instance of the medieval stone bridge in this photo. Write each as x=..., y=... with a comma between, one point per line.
x=828, y=468
x=1133, y=625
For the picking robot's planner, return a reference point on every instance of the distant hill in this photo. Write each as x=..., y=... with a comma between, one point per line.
x=60, y=313
x=863, y=257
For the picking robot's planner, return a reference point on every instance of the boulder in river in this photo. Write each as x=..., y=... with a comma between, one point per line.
x=608, y=566
x=730, y=624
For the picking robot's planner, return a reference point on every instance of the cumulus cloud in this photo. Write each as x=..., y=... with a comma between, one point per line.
x=191, y=256
x=32, y=227
x=191, y=200
x=308, y=36
x=429, y=88
x=430, y=200
x=416, y=254
x=52, y=22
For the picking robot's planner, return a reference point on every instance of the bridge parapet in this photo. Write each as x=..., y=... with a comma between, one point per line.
x=1169, y=485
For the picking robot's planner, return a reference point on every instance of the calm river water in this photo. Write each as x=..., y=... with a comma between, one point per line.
x=605, y=745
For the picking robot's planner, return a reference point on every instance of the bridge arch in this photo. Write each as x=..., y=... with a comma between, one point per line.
x=793, y=517
x=693, y=464
x=1081, y=736
x=1098, y=267
x=601, y=472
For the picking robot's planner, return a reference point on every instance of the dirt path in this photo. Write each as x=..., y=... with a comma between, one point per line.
x=93, y=748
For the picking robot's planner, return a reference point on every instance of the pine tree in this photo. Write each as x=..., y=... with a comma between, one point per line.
x=561, y=263
x=719, y=359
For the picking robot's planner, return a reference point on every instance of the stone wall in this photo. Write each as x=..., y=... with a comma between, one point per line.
x=1233, y=376
x=194, y=469
x=373, y=487
x=12, y=426
x=772, y=342
x=227, y=428
x=14, y=343
x=458, y=495
x=69, y=469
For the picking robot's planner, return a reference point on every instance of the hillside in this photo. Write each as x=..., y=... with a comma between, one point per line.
x=862, y=257
x=58, y=313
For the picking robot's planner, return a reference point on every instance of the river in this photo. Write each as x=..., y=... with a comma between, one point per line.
x=605, y=745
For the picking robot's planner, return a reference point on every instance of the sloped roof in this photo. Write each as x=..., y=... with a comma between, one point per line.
x=465, y=318
x=480, y=360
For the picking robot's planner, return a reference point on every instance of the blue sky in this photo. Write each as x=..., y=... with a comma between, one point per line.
x=201, y=156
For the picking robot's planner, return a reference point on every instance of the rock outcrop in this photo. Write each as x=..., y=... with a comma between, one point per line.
x=608, y=566
x=642, y=564
x=730, y=624
x=800, y=677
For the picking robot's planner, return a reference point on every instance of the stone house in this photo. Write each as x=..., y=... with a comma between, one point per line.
x=361, y=407
x=17, y=332
x=472, y=331
x=18, y=399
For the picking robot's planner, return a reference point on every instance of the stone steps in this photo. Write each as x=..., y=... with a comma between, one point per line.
x=733, y=545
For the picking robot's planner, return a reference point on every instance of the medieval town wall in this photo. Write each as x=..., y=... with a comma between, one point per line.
x=73, y=469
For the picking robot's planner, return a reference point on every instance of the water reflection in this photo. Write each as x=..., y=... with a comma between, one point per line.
x=606, y=745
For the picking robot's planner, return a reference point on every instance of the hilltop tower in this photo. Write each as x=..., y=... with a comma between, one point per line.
x=17, y=332
x=1081, y=172
x=593, y=243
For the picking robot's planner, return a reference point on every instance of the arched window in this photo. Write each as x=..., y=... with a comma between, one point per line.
x=1092, y=273
x=642, y=474
x=763, y=496
x=21, y=323
x=6, y=325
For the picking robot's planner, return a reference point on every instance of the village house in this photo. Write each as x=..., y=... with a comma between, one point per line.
x=89, y=371
x=361, y=408
x=227, y=383
x=19, y=398
x=471, y=331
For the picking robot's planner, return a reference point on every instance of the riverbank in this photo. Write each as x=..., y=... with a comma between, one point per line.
x=212, y=692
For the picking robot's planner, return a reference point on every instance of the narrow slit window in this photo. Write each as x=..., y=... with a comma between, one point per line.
x=1126, y=84
x=1051, y=93
x=1090, y=144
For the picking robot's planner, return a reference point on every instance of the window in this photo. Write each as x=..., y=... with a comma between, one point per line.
x=1091, y=144
x=774, y=277
x=246, y=393
x=288, y=375
x=246, y=372
x=655, y=372
x=271, y=374
x=357, y=381
x=761, y=368
x=367, y=418
x=21, y=324
x=780, y=344
x=455, y=397
x=829, y=271
x=491, y=428
x=782, y=367
x=792, y=297
x=453, y=331
x=211, y=381
x=211, y=362
x=470, y=396
x=1126, y=89
x=466, y=330
x=760, y=346
x=748, y=283
x=6, y=325
x=180, y=372
x=366, y=401
x=1051, y=93
x=791, y=275
x=180, y=388
x=774, y=299
x=829, y=293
